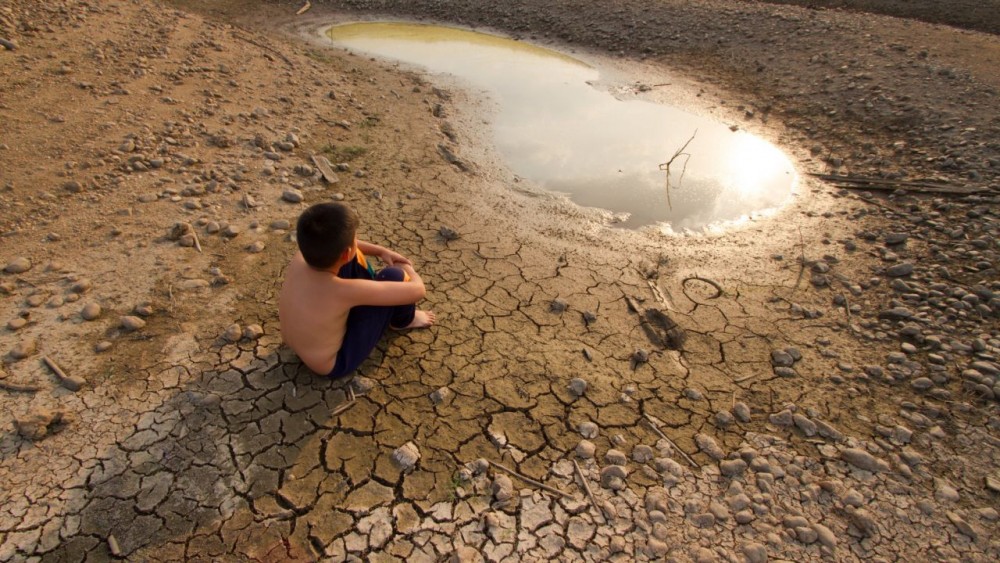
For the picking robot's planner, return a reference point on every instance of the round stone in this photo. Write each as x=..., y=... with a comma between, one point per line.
x=253, y=332
x=232, y=333
x=131, y=322
x=18, y=266
x=90, y=311
x=585, y=449
x=588, y=429
x=577, y=387
x=291, y=195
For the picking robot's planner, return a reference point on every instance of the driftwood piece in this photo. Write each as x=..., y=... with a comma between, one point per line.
x=652, y=423
x=305, y=8
x=325, y=168
x=531, y=481
x=590, y=493
x=71, y=382
x=881, y=184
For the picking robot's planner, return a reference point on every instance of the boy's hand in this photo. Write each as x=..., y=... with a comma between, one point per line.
x=391, y=258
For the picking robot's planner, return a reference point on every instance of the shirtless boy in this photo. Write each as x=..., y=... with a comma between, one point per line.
x=333, y=306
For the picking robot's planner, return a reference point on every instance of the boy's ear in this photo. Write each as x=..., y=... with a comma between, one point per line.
x=346, y=254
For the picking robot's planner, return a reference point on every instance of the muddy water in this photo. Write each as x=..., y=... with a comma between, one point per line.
x=557, y=130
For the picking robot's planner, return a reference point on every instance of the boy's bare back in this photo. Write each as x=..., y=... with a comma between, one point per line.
x=313, y=314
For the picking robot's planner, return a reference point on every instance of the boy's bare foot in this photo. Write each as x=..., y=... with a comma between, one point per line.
x=422, y=319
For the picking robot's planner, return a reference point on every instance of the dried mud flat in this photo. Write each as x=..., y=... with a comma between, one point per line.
x=833, y=397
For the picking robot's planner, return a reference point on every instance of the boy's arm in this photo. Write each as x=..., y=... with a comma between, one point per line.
x=385, y=293
x=387, y=256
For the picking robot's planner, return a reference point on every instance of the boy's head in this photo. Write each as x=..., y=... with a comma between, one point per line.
x=324, y=232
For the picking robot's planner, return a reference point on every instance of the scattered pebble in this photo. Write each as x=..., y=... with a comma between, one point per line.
x=130, y=322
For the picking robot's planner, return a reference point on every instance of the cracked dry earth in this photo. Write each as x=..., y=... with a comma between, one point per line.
x=835, y=400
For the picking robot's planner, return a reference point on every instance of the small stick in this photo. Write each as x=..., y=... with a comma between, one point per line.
x=304, y=8
x=350, y=393
x=718, y=288
x=72, y=383
x=342, y=408
x=265, y=47
x=660, y=433
x=741, y=380
x=197, y=243
x=531, y=481
x=590, y=493
x=19, y=387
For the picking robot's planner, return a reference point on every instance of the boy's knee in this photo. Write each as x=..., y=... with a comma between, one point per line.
x=391, y=273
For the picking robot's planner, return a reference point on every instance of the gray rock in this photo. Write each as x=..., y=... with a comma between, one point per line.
x=825, y=536
x=406, y=456
x=577, y=387
x=732, y=467
x=291, y=195
x=642, y=453
x=256, y=247
x=253, y=332
x=616, y=457
x=899, y=270
x=90, y=311
x=24, y=349
x=742, y=412
x=18, y=266
x=781, y=358
x=863, y=460
x=588, y=429
x=558, y=305
x=131, y=322
x=232, y=333
x=362, y=385
x=613, y=477
x=585, y=449
x=502, y=488
x=440, y=395
x=808, y=427
x=708, y=445
x=895, y=238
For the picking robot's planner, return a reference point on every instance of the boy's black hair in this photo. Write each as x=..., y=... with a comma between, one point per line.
x=324, y=232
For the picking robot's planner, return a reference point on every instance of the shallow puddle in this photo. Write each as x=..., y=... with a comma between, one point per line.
x=555, y=129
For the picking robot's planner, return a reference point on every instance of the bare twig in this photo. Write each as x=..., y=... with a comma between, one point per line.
x=350, y=393
x=719, y=292
x=666, y=166
x=653, y=425
x=342, y=408
x=531, y=481
x=590, y=493
x=197, y=243
x=744, y=378
x=71, y=382
x=18, y=387
x=304, y=8
x=266, y=48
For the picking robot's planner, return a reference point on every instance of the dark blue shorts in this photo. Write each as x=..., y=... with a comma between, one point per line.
x=367, y=323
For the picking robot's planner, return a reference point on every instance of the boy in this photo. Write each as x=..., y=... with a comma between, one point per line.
x=333, y=307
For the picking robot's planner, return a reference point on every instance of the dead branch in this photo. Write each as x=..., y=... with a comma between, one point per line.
x=71, y=382
x=342, y=408
x=267, y=48
x=666, y=166
x=719, y=292
x=305, y=8
x=653, y=425
x=531, y=481
x=590, y=493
